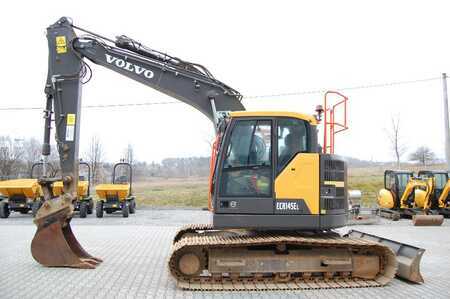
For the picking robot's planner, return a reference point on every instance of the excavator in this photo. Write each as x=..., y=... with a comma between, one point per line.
x=275, y=194
x=440, y=197
x=407, y=196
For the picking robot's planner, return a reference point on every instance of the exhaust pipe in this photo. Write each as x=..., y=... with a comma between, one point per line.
x=408, y=256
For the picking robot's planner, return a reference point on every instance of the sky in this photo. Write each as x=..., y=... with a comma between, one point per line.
x=258, y=48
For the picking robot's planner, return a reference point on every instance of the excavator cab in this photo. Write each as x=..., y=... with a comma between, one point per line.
x=440, y=197
x=270, y=174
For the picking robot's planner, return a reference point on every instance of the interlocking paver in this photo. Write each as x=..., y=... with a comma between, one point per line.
x=135, y=252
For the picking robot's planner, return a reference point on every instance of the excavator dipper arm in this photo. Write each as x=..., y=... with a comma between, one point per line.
x=54, y=243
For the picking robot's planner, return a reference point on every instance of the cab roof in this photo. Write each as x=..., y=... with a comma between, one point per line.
x=309, y=118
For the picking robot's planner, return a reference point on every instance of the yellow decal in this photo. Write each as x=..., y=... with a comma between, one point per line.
x=61, y=45
x=71, y=119
x=335, y=183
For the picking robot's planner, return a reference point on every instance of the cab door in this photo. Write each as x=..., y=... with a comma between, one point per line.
x=245, y=181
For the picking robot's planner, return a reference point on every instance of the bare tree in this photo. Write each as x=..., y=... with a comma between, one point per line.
x=94, y=157
x=423, y=155
x=397, y=145
x=32, y=152
x=11, y=153
x=128, y=154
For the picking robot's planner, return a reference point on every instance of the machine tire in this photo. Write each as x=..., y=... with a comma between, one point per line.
x=99, y=209
x=125, y=210
x=35, y=207
x=83, y=209
x=132, y=206
x=4, y=210
x=24, y=211
x=90, y=207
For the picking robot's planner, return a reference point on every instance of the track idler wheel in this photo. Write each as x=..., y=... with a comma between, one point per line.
x=191, y=262
x=54, y=244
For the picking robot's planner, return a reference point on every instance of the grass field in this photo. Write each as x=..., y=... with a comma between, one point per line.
x=172, y=192
x=193, y=192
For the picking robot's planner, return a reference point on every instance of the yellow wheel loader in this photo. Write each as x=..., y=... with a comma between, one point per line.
x=118, y=195
x=275, y=194
x=440, y=197
x=407, y=196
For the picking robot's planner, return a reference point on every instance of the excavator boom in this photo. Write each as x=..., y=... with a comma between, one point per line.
x=54, y=244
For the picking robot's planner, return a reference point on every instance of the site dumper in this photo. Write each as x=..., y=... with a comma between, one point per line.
x=116, y=196
x=84, y=203
x=21, y=195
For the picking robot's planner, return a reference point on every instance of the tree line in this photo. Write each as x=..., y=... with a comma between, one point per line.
x=17, y=157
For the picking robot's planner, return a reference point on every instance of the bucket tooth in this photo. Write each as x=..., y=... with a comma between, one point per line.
x=54, y=244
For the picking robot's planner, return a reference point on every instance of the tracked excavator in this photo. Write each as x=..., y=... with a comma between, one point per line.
x=440, y=197
x=407, y=196
x=274, y=196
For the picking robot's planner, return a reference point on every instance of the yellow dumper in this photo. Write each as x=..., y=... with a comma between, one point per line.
x=116, y=196
x=84, y=203
x=20, y=195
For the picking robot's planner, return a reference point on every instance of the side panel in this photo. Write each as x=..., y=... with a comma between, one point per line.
x=299, y=181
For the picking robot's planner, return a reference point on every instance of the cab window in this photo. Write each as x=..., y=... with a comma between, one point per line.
x=292, y=139
x=247, y=167
x=441, y=180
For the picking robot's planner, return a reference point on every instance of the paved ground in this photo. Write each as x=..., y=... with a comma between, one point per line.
x=135, y=251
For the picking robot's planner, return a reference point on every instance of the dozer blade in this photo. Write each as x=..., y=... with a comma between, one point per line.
x=408, y=256
x=54, y=244
x=427, y=220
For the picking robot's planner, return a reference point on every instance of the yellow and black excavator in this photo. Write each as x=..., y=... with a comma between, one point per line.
x=440, y=197
x=274, y=195
x=407, y=196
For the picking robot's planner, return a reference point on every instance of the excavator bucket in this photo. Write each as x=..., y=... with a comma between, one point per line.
x=427, y=220
x=408, y=256
x=54, y=244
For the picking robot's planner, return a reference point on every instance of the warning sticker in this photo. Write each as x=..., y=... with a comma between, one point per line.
x=70, y=133
x=71, y=118
x=61, y=45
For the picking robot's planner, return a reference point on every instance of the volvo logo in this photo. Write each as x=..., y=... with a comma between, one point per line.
x=134, y=68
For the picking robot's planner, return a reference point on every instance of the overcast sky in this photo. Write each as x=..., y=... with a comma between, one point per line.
x=258, y=48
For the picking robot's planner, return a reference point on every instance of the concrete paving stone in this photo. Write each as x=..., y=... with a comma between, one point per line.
x=135, y=252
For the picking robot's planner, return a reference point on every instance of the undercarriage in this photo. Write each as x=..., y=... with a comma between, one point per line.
x=207, y=259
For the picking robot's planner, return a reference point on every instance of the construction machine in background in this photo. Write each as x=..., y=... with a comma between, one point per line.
x=274, y=195
x=21, y=195
x=440, y=196
x=84, y=203
x=118, y=195
x=407, y=196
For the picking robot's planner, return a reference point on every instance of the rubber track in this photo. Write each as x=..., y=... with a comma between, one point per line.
x=206, y=283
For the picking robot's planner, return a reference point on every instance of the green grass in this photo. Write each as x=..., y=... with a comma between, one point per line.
x=192, y=192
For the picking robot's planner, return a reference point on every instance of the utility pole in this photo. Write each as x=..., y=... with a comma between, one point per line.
x=446, y=122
